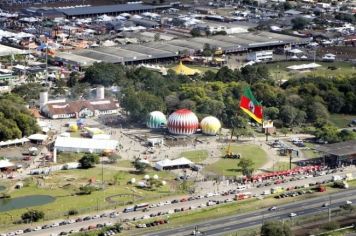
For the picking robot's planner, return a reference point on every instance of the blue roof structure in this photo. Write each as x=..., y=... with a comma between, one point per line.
x=117, y=8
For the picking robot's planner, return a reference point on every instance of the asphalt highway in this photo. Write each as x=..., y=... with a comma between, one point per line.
x=194, y=203
x=225, y=225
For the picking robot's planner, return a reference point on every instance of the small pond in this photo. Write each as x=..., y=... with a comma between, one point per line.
x=8, y=204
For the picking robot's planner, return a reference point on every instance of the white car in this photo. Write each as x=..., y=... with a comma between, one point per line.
x=37, y=228
x=167, y=203
x=18, y=232
x=292, y=214
x=273, y=208
x=56, y=224
x=348, y=202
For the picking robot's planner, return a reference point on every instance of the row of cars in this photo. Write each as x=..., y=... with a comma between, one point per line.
x=64, y=222
x=152, y=224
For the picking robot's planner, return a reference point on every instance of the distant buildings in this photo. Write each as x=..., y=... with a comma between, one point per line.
x=62, y=109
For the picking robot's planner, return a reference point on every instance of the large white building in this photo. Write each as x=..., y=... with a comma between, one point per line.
x=260, y=56
x=85, y=145
x=62, y=109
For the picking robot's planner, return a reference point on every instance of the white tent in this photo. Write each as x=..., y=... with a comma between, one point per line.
x=295, y=51
x=38, y=137
x=304, y=66
x=173, y=164
x=68, y=144
x=5, y=164
x=13, y=142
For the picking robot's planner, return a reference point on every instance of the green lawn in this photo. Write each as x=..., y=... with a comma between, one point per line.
x=341, y=120
x=282, y=166
x=65, y=157
x=64, y=184
x=279, y=71
x=228, y=167
x=196, y=156
x=124, y=163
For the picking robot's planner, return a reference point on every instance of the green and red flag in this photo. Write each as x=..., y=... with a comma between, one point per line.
x=251, y=106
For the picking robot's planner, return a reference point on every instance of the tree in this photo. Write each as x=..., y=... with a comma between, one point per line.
x=157, y=37
x=271, y=113
x=140, y=166
x=106, y=74
x=32, y=216
x=275, y=228
x=284, y=131
x=300, y=23
x=195, y=32
x=73, y=79
x=29, y=91
x=328, y=133
x=247, y=166
x=207, y=50
x=16, y=120
x=89, y=160
x=346, y=135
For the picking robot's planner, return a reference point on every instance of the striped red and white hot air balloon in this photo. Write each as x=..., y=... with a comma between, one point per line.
x=183, y=122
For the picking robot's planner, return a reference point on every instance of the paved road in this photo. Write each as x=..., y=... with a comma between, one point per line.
x=195, y=203
x=225, y=225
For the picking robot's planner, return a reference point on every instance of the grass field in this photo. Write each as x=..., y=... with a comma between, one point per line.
x=341, y=120
x=65, y=157
x=282, y=166
x=64, y=184
x=196, y=156
x=228, y=167
x=279, y=71
x=124, y=163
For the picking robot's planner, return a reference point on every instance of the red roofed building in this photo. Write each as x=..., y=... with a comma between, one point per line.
x=79, y=108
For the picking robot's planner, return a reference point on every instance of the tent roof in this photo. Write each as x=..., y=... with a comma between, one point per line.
x=14, y=141
x=304, y=66
x=38, y=137
x=84, y=143
x=177, y=162
x=185, y=70
x=5, y=163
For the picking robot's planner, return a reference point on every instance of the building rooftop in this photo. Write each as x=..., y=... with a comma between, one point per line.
x=106, y=9
x=339, y=149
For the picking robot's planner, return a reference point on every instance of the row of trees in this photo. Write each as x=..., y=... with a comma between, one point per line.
x=16, y=120
x=298, y=101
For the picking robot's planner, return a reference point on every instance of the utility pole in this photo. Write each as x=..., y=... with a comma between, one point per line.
x=290, y=151
x=329, y=209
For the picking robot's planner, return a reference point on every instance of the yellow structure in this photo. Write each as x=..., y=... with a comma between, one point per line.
x=210, y=125
x=73, y=128
x=185, y=70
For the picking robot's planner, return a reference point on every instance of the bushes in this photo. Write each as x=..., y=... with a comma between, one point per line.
x=32, y=216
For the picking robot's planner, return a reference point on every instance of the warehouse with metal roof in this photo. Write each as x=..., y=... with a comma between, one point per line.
x=109, y=9
x=170, y=50
x=337, y=154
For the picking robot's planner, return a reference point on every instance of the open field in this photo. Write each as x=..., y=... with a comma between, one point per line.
x=282, y=166
x=228, y=167
x=63, y=185
x=196, y=156
x=279, y=71
x=341, y=120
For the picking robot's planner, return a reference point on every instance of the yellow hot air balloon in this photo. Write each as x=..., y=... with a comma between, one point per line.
x=210, y=125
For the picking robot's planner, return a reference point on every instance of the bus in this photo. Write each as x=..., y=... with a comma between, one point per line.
x=129, y=209
x=141, y=206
